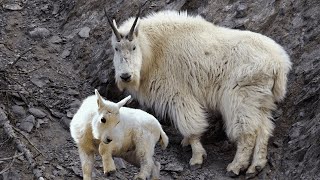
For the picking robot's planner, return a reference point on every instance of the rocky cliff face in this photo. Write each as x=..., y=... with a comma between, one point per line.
x=295, y=148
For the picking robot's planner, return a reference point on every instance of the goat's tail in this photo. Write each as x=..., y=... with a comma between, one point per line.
x=280, y=81
x=164, y=140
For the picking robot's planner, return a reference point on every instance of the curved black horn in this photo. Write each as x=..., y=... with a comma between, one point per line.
x=115, y=31
x=130, y=35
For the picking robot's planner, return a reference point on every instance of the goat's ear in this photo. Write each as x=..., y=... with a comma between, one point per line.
x=99, y=99
x=124, y=101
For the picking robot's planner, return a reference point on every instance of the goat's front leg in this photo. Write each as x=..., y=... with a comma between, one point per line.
x=105, y=151
x=87, y=160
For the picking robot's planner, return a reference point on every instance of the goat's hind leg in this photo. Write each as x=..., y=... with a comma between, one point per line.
x=245, y=145
x=132, y=158
x=240, y=121
x=259, y=159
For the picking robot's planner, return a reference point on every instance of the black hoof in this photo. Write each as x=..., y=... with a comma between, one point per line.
x=258, y=168
x=195, y=167
x=110, y=173
x=231, y=174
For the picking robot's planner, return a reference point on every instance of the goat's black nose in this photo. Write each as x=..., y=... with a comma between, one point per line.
x=125, y=77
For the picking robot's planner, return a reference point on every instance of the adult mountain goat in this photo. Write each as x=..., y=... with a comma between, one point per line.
x=184, y=66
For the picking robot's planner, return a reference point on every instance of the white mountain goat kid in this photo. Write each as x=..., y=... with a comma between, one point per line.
x=184, y=66
x=113, y=130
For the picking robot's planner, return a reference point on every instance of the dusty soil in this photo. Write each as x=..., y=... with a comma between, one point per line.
x=52, y=69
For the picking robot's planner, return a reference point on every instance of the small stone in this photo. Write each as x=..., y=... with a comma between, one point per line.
x=30, y=118
x=77, y=171
x=301, y=114
x=55, y=9
x=44, y=7
x=39, y=122
x=40, y=33
x=69, y=113
x=75, y=104
x=173, y=166
x=19, y=111
x=277, y=144
x=37, y=113
x=27, y=124
x=55, y=40
x=84, y=32
x=38, y=82
x=241, y=11
x=65, y=53
x=59, y=167
x=55, y=173
x=65, y=122
x=119, y=163
x=56, y=113
x=73, y=92
x=12, y=7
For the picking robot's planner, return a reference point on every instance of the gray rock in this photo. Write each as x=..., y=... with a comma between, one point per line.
x=12, y=7
x=71, y=112
x=37, y=113
x=27, y=124
x=65, y=53
x=38, y=82
x=19, y=111
x=65, y=122
x=75, y=104
x=41, y=121
x=55, y=40
x=173, y=166
x=56, y=8
x=119, y=163
x=39, y=33
x=77, y=170
x=55, y=173
x=72, y=92
x=56, y=113
x=84, y=32
x=241, y=11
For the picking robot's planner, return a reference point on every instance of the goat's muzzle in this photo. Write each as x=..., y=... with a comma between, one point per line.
x=126, y=77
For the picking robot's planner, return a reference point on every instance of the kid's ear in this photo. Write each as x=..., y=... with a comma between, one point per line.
x=124, y=101
x=99, y=99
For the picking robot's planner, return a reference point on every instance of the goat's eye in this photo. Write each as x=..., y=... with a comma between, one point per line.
x=103, y=120
x=116, y=49
x=134, y=48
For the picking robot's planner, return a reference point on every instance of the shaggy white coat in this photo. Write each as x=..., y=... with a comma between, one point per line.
x=113, y=130
x=184, y=66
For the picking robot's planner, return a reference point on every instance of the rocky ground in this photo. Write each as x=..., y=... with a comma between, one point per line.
x=55, y=53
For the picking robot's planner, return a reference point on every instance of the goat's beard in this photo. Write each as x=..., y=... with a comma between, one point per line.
x=134, y=84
